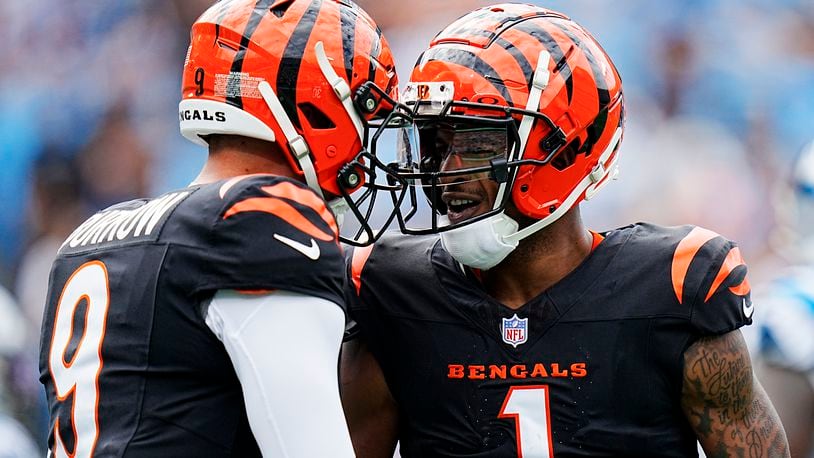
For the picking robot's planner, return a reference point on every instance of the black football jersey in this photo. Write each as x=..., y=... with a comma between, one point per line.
x=590, y=367
x=129, y=365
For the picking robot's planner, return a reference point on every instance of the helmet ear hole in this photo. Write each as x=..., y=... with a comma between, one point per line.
x=567, y=156
x=315, y=117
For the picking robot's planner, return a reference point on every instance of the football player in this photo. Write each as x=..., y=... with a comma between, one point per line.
x=518, y=332
x=208, y=321
x=785, y=324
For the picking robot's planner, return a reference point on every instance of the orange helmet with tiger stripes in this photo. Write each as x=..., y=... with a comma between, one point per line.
x=545, y=79
x=306, y=74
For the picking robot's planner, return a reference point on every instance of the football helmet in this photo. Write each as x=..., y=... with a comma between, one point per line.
x=545, y=101
x=312, y=76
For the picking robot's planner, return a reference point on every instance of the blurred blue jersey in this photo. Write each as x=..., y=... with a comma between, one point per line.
x=785, y=322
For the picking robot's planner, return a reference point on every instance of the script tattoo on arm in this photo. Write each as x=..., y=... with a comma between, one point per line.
x=726, y=406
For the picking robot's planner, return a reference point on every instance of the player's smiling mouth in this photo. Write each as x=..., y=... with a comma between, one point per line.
x=462, y=206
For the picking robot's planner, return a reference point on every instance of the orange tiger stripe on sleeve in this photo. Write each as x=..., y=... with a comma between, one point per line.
x=683, y=256
x=275, y=205
x=282, y=209
x=305, y=197
x=733, y=260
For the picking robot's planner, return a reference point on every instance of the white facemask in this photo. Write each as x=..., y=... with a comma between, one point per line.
x=483, y=244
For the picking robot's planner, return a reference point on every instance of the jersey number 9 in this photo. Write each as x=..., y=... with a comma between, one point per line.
x=78, y=373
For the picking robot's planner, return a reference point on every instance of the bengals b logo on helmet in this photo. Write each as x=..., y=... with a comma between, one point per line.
x=286, y=71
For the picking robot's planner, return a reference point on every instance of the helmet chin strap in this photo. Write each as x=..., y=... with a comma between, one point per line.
x=339, y=206
x=340, y=87
x=590, y=184
x=538, y=83
x=296, y=143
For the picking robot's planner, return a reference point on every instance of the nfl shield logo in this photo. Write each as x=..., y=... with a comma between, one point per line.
x=514, y=330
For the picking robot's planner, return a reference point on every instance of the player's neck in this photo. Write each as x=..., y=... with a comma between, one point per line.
x=231, y=162
x=539, y=261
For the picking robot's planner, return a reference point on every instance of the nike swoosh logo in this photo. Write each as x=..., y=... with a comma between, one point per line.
x=748, y=311
x=310, y=252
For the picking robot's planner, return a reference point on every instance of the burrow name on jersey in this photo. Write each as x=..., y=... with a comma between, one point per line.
x=515, y=371
x=121, y=224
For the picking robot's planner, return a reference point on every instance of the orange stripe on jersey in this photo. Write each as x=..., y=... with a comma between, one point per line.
x=358, y=261
x=741, y=290
x=281, y=209
x=305, y=197
x=684, y=254
x=733, y=260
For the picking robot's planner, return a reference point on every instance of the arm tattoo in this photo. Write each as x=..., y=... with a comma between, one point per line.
x=726, y=406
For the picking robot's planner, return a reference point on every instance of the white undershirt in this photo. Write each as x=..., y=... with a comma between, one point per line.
x=285, y=348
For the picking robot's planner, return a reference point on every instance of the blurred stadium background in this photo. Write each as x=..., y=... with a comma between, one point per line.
x=720, y=99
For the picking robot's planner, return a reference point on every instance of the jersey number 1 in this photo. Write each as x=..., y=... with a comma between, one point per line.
x=78, y=374
x=528, y=406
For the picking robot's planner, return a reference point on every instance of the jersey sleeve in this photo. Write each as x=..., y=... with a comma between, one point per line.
x=273, y=233
x=720, y=300
x=285, y=407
